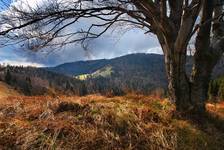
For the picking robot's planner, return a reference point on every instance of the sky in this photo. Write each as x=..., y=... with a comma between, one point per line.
x=108, y=46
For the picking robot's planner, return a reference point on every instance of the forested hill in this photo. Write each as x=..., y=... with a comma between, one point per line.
x=132, y=62
x=134, y=66
x=135, y=72
x=141, y=73
x=38, y=81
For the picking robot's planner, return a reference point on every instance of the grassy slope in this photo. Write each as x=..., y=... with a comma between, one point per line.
x=6, y=91
x=103, y=72
x=96, y=122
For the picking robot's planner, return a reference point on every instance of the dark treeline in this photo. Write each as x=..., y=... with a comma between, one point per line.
x=38, y=81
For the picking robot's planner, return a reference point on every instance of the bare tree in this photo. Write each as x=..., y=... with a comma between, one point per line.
x=174, y=22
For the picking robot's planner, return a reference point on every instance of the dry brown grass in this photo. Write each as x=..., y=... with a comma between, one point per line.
x=216, y=109
x=97, y=122
x=6, y=91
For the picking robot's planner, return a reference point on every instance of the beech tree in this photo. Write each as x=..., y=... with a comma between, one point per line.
x=174, y=22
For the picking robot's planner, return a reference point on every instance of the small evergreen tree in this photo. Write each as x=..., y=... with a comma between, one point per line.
x=8, y=77
x=27, y=86
x=83, y=90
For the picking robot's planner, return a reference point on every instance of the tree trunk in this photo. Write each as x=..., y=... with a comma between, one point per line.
x=189, y=94
x=179, y=87
x=199, y=94
x=201, y=76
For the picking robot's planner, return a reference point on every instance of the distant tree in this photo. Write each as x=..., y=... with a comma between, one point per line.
x=83, y=90
x=116, y=91
x=67, y=86
x=174, y=22
x=27, y=87
x=8, y=76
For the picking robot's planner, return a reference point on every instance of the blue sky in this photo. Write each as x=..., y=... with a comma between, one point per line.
x=107, y=46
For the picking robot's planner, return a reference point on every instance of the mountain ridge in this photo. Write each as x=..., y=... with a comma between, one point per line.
x=91, y=66
x=83, y=66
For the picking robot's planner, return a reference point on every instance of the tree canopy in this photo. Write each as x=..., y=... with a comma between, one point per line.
x=45, y=23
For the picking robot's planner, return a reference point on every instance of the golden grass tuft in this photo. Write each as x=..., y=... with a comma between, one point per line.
x=216, y=109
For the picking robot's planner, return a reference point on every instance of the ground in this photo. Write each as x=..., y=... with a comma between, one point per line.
x=97, y=122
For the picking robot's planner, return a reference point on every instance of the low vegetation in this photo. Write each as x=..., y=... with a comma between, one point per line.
x=216, y=89
x=97, y=122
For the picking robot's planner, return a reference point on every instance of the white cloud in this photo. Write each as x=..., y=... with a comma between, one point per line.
x=155, y=50
x=28, y=3
x=19, y=63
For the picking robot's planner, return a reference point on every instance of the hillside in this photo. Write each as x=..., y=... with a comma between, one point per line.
x=38, y=81
x=104, y=72
x=132, y=62
x=80, y=67
x=142, y=73
x=140, y=62
x=135, y=72
x=6, y=90
x=132, y=73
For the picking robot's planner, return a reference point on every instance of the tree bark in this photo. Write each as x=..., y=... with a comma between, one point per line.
x=201, y=76
x=189, y=92
x=207, y=54
x=178, y=84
